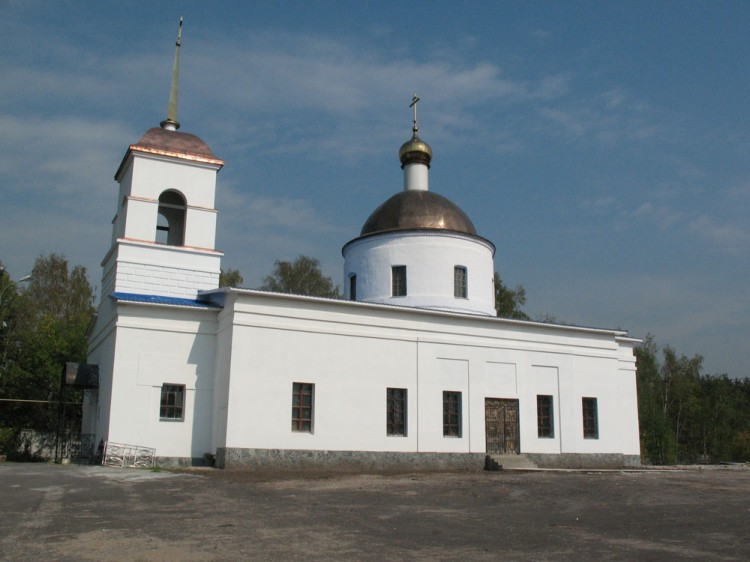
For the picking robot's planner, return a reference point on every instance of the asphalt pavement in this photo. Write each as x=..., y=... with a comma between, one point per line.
x=65, y=512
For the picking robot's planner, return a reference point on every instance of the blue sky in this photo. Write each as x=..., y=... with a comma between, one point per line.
x=604, y=147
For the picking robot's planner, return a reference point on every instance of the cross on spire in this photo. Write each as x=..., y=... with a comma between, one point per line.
x=413, y=104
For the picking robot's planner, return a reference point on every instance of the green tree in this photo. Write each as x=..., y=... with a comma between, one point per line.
x=658, y=445
x=230, y=278
x=740, y=446
x=711, y=430
x=49, y=320
x=300, y=277
x=686, y=416
x=9, y=316
x=680, y=396
x=508, y=302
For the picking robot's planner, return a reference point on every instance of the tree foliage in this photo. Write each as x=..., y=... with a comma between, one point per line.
x=230, y=278
x=44, y=326
x=300, y=277
x=508, y=302
x=686, y=416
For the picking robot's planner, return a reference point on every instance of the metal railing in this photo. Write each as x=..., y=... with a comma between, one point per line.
x=120, y=455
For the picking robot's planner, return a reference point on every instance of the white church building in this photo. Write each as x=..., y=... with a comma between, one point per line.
x=412, y=368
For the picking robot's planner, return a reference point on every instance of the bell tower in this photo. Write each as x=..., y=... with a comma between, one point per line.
x=164, y=232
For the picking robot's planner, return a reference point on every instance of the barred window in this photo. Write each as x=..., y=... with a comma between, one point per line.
x=302, y=406
x=172, y=405
x=398, y=280
x=544, y=419
x=590, y=419
x=396, y=411
x=459, y=282
x=451, y=414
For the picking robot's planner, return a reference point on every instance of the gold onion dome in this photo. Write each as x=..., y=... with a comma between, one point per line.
x=415, y=150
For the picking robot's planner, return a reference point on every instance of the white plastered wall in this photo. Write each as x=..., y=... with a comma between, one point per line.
x=349, y=391
x=352, y=353
x=430, y=259
x=148, y=269
x=101, y=352
x=158, y=345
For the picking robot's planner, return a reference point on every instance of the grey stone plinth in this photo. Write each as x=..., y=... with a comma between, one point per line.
x=234, y=458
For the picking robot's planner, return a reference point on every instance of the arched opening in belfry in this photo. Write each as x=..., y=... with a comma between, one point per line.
x=170, y=225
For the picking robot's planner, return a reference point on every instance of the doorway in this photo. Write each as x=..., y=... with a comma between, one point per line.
x=501, y=426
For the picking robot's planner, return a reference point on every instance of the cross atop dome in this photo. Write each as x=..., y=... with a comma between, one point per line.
x=414, y=102
x=415, y=150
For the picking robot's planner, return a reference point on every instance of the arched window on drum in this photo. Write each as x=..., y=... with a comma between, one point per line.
x=170, y=226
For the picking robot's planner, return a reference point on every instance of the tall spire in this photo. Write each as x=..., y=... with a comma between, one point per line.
x=171, y=123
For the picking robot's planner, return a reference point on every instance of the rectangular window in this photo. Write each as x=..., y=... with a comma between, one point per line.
x=459, y=282
x=172, y=405
x=590, y=419
x=544, y=420
x=451, y=414
x=353, y=288
x=398, y=280
x=396, y=411
x=302, y=406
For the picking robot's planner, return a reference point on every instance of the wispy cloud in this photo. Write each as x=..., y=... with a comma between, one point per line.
x=604, y=203
x=540, y=33
x=565, y=121
x=729, y=237
x=279, y=87
x=599, y=119
x=725, y=235
x=740, y=192
x=276, y=82
x=659, y=215
x=64, y=159
x=301, y=72
x=614, y=98
x=281, y=213
x=550, y=87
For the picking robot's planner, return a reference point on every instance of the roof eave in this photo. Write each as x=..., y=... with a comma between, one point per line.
x=182, y=156
x=420, y=230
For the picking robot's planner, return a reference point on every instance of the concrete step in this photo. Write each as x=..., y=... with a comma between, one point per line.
x=508, y=462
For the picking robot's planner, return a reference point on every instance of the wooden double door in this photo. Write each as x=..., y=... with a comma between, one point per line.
x=501, y=426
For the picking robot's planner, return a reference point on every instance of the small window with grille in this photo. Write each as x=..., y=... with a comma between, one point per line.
x=544, y=419
x=172, y=404
x=302, y=406
x=396, y=411
x=590, y=419
x=459, y=282
x=451, y=414
x=398, y=280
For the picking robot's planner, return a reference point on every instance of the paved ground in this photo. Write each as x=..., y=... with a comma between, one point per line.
x=52, y=512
